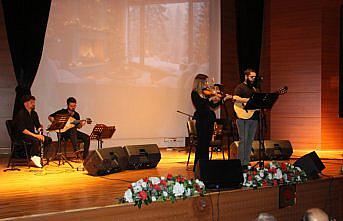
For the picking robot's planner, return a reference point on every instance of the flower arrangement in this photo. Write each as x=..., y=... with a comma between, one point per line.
x=153, y=189
x=273, y=174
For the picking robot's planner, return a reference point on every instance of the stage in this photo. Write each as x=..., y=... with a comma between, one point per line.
x=60, y=193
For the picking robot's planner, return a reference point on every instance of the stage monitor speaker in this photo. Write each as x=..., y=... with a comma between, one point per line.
x=274, y=150
x=106, y=161
x=311, y=164
x=220, y=173
x=143, y=156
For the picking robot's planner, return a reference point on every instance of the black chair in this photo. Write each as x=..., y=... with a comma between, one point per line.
x=16, y=144
x=216, y=145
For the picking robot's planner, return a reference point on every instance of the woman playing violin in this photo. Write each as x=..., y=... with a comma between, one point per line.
x=204, y=102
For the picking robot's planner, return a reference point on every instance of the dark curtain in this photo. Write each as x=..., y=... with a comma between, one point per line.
x=249, y=16
x=341, y=66
x=26, y=23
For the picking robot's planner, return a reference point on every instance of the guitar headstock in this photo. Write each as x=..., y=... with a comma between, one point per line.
x=283, y=90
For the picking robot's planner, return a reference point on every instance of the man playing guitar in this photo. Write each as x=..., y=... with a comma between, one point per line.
x=73, y=133
x=246, y=126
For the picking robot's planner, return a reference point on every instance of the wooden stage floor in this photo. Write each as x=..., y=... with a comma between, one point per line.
x=53, y=189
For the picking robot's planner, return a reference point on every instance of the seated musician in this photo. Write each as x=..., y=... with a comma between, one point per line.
x=73, y=134
x=27, y=126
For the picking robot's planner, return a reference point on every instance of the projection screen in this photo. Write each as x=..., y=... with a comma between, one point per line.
x=129, y=63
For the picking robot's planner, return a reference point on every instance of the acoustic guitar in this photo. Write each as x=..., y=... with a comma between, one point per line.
x=245, y=114
x=72, y=122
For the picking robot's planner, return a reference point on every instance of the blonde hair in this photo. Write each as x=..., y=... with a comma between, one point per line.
x=199, y=82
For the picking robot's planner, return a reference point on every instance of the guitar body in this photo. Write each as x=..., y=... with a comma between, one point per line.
x=70, y=124
x=241, y=112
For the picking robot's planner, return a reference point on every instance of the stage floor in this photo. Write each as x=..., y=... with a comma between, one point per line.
x=52, y=189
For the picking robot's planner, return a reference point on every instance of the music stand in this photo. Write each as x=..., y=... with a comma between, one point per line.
x=100, y=132
x=261, y=101
x=57, y=125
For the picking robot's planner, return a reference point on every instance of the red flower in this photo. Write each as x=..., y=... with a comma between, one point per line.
x=169, y=176
x=157, y=187
x=249, y=178
x=264, y=183
x=254, y=173
x=275, y=183
x=197, y=187
x=163, y=182
x=283, y=166
x=143, y=195
x=146, y=179
x=180, y=179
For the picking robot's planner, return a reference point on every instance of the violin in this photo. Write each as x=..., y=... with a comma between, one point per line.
x=214, y=90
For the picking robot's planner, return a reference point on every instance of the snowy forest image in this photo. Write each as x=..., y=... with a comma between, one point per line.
x=162, y=43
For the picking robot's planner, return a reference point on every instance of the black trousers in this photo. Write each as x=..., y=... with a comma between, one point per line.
x=34, y=148
x=204, y=127
x=73, y=134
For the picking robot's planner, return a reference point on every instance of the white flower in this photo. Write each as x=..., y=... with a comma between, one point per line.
x=128, y=196
x=245, y=178
x=165, y=194
x=188, y=192
x=285, y=177
x=178, y=189
x=137, y=188
x=142, y=183
x=153, y=198
x=270, y=176
x=261, y=173
x=163, y=178
x=278, y=174
x=298, y=178
x=298, y=168
x=154, y=180
x=200, y=183
x=189, y=182
x=249, y=167
x=258, y=178
x=272, y=165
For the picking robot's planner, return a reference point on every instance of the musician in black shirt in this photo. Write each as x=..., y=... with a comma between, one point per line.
x=73, y=134
x=27, y=126
x=246, y=127
x=204, y=116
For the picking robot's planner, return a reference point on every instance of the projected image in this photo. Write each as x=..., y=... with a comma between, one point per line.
x=149, y=43
x=129, y=63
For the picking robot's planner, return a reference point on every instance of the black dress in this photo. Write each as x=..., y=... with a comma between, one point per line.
x=205, y=118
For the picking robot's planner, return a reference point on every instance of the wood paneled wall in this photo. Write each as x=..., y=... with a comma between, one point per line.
x=331, y=124
x=295, y=61
x=304, y=55
x=7, y=84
